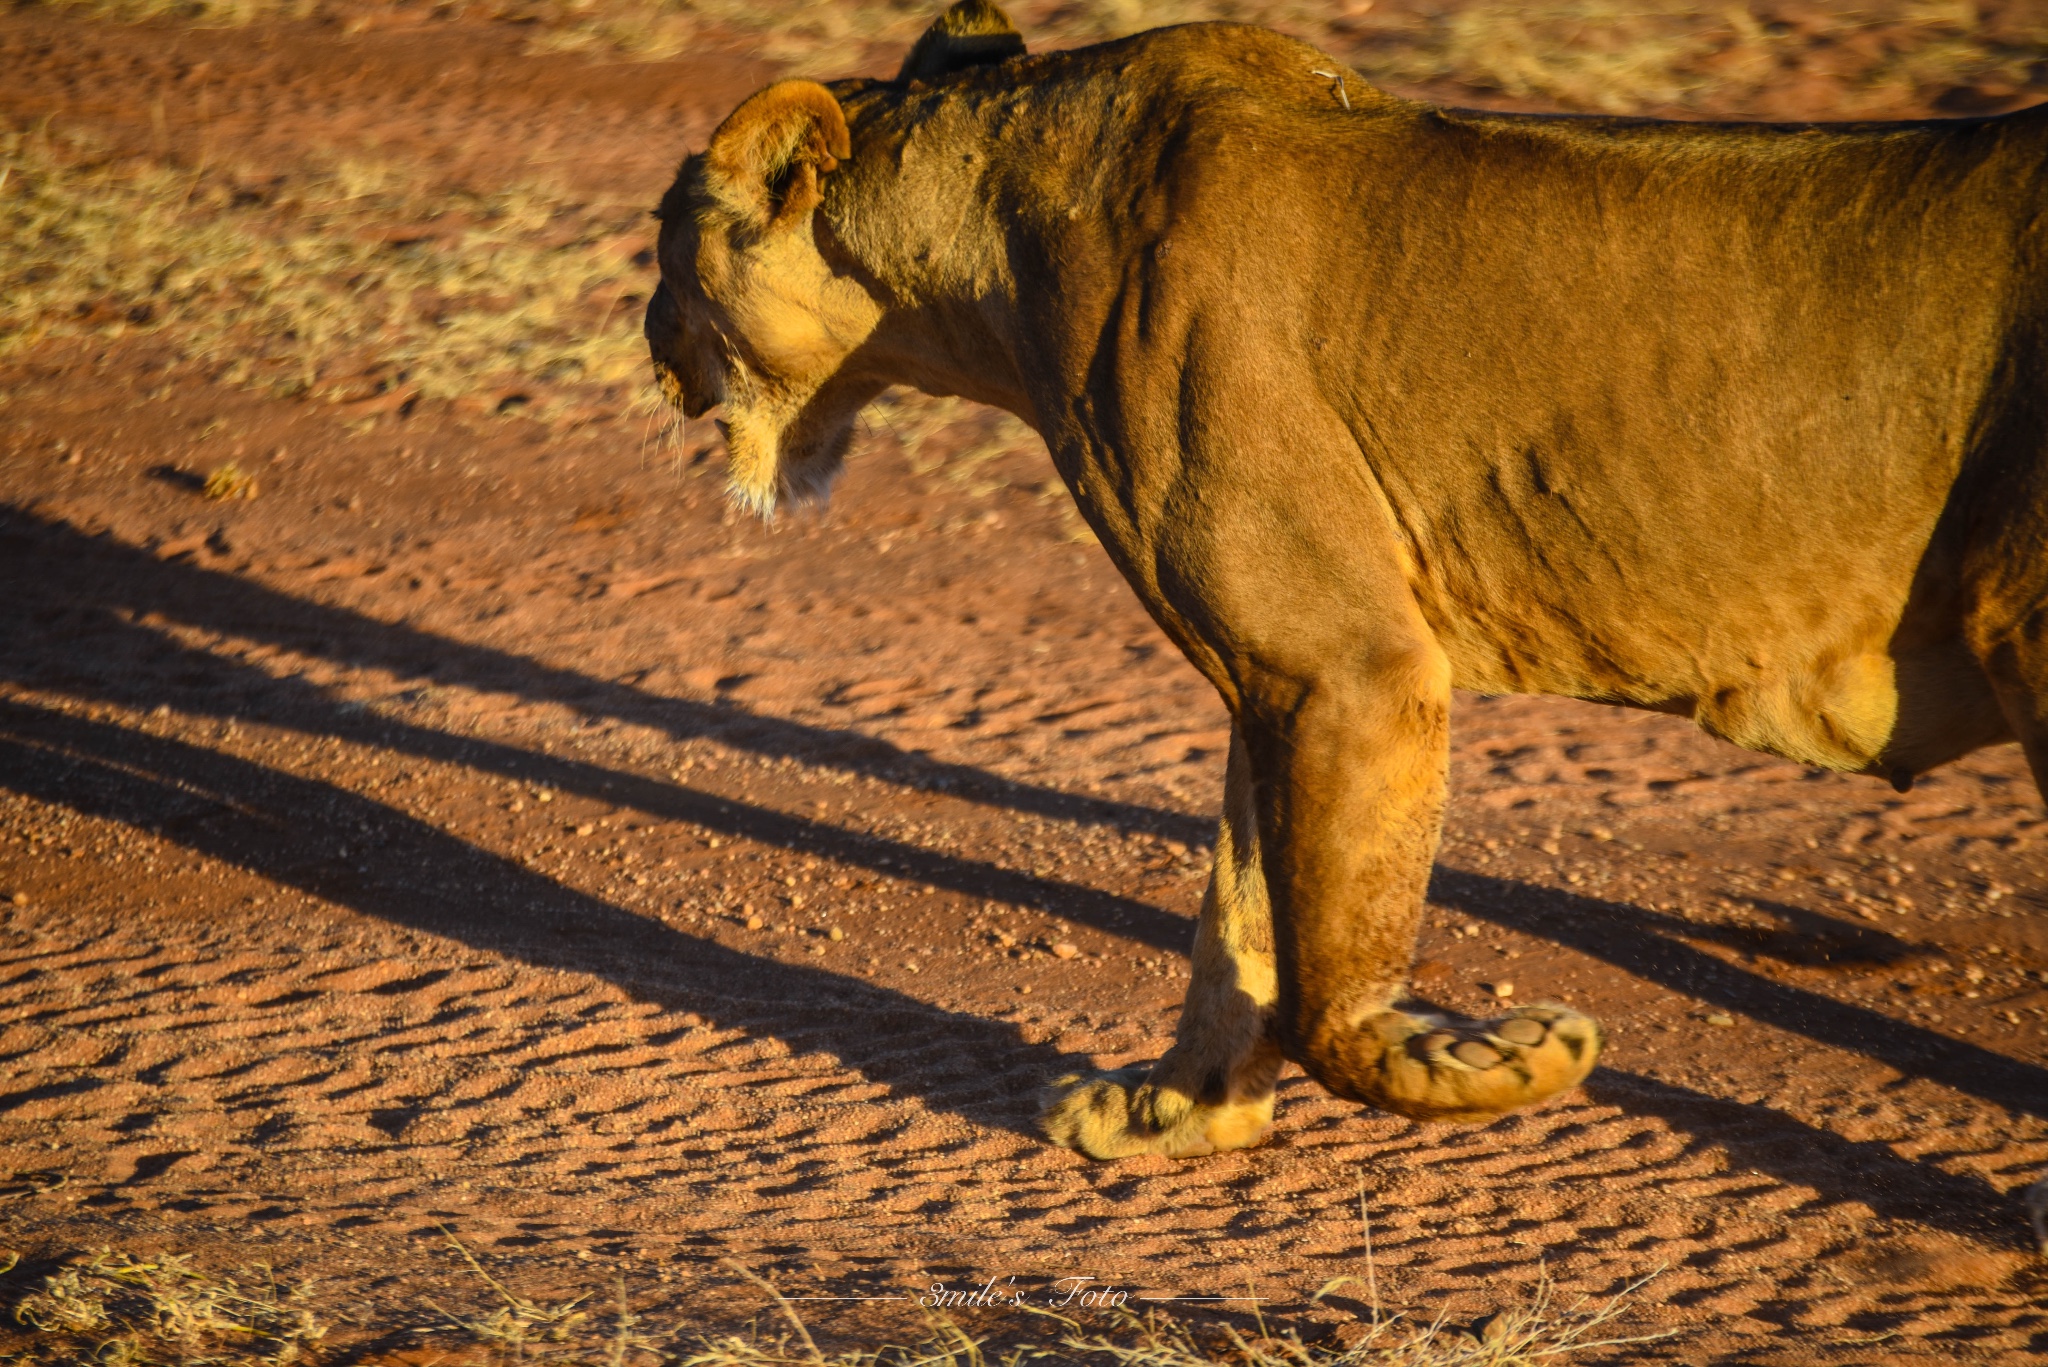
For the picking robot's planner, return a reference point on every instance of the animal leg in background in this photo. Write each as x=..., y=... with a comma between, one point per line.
x=1214, y=1089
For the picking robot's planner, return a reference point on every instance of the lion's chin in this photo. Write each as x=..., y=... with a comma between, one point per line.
x=767, y=472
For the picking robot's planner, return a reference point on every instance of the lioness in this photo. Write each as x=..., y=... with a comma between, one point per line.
x=1370, y=399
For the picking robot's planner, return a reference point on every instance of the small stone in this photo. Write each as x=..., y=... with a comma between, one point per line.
x=1503, y=990
x=1065, y=950
x=1718, y=1019
x=543, y=796
x=910, y=966
x=753, y=923
x=1476, y=1054
x=19, y=899
x=585, y=829
x=1024, y=987
x=835, y=934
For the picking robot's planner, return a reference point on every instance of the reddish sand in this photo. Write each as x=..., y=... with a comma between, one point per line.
x=387, y=849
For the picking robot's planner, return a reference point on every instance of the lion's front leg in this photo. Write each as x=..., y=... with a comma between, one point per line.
x=1269, y=557
x=1352, y=774
x=1214, y=1089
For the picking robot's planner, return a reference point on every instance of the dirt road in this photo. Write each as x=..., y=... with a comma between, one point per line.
x=485, y=828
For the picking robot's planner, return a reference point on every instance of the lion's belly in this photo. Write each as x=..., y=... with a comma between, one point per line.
x=1832, y=714
x=1814, y=649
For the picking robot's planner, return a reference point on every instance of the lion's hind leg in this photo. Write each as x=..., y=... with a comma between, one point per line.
x=1214, y=1089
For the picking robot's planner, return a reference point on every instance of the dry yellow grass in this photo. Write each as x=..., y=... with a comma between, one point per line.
x=1625, y=56
x=364, y=285
x=366, y=281
x=1612, y=56
x=229, y=482
x=115, y=1310
x=346, y=285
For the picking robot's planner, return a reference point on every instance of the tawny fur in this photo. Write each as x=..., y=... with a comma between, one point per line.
x=1369, y=400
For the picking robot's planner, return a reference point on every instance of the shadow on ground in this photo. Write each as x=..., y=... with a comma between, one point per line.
x=75, y=609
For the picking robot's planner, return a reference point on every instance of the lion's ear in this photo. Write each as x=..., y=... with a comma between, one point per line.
x=972, y=33
x=765, y=159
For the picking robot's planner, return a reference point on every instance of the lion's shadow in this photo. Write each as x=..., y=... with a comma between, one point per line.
x=1650, y=944
x=311, y=836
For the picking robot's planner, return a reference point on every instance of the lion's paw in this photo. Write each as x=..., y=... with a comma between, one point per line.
x=1426, y=1068
x=1121, y=1115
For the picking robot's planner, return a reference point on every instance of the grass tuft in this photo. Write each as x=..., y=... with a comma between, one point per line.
x=211, y=13
x=515, y=1324
x=1542, y=1331
x=117, y=1310
x=227, y=482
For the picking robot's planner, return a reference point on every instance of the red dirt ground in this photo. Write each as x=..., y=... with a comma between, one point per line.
x=388, y=847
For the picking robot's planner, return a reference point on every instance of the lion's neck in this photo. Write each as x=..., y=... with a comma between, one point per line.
x=918, y=214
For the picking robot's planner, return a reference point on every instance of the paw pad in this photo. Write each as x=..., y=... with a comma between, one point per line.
x=1476, y=1054
x=1428, y=1068
x=1523, y=1031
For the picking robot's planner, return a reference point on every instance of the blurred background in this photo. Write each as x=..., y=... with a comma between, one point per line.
x=304, y=195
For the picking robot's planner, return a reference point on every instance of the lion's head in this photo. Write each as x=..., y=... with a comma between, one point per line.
x=758, y=312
